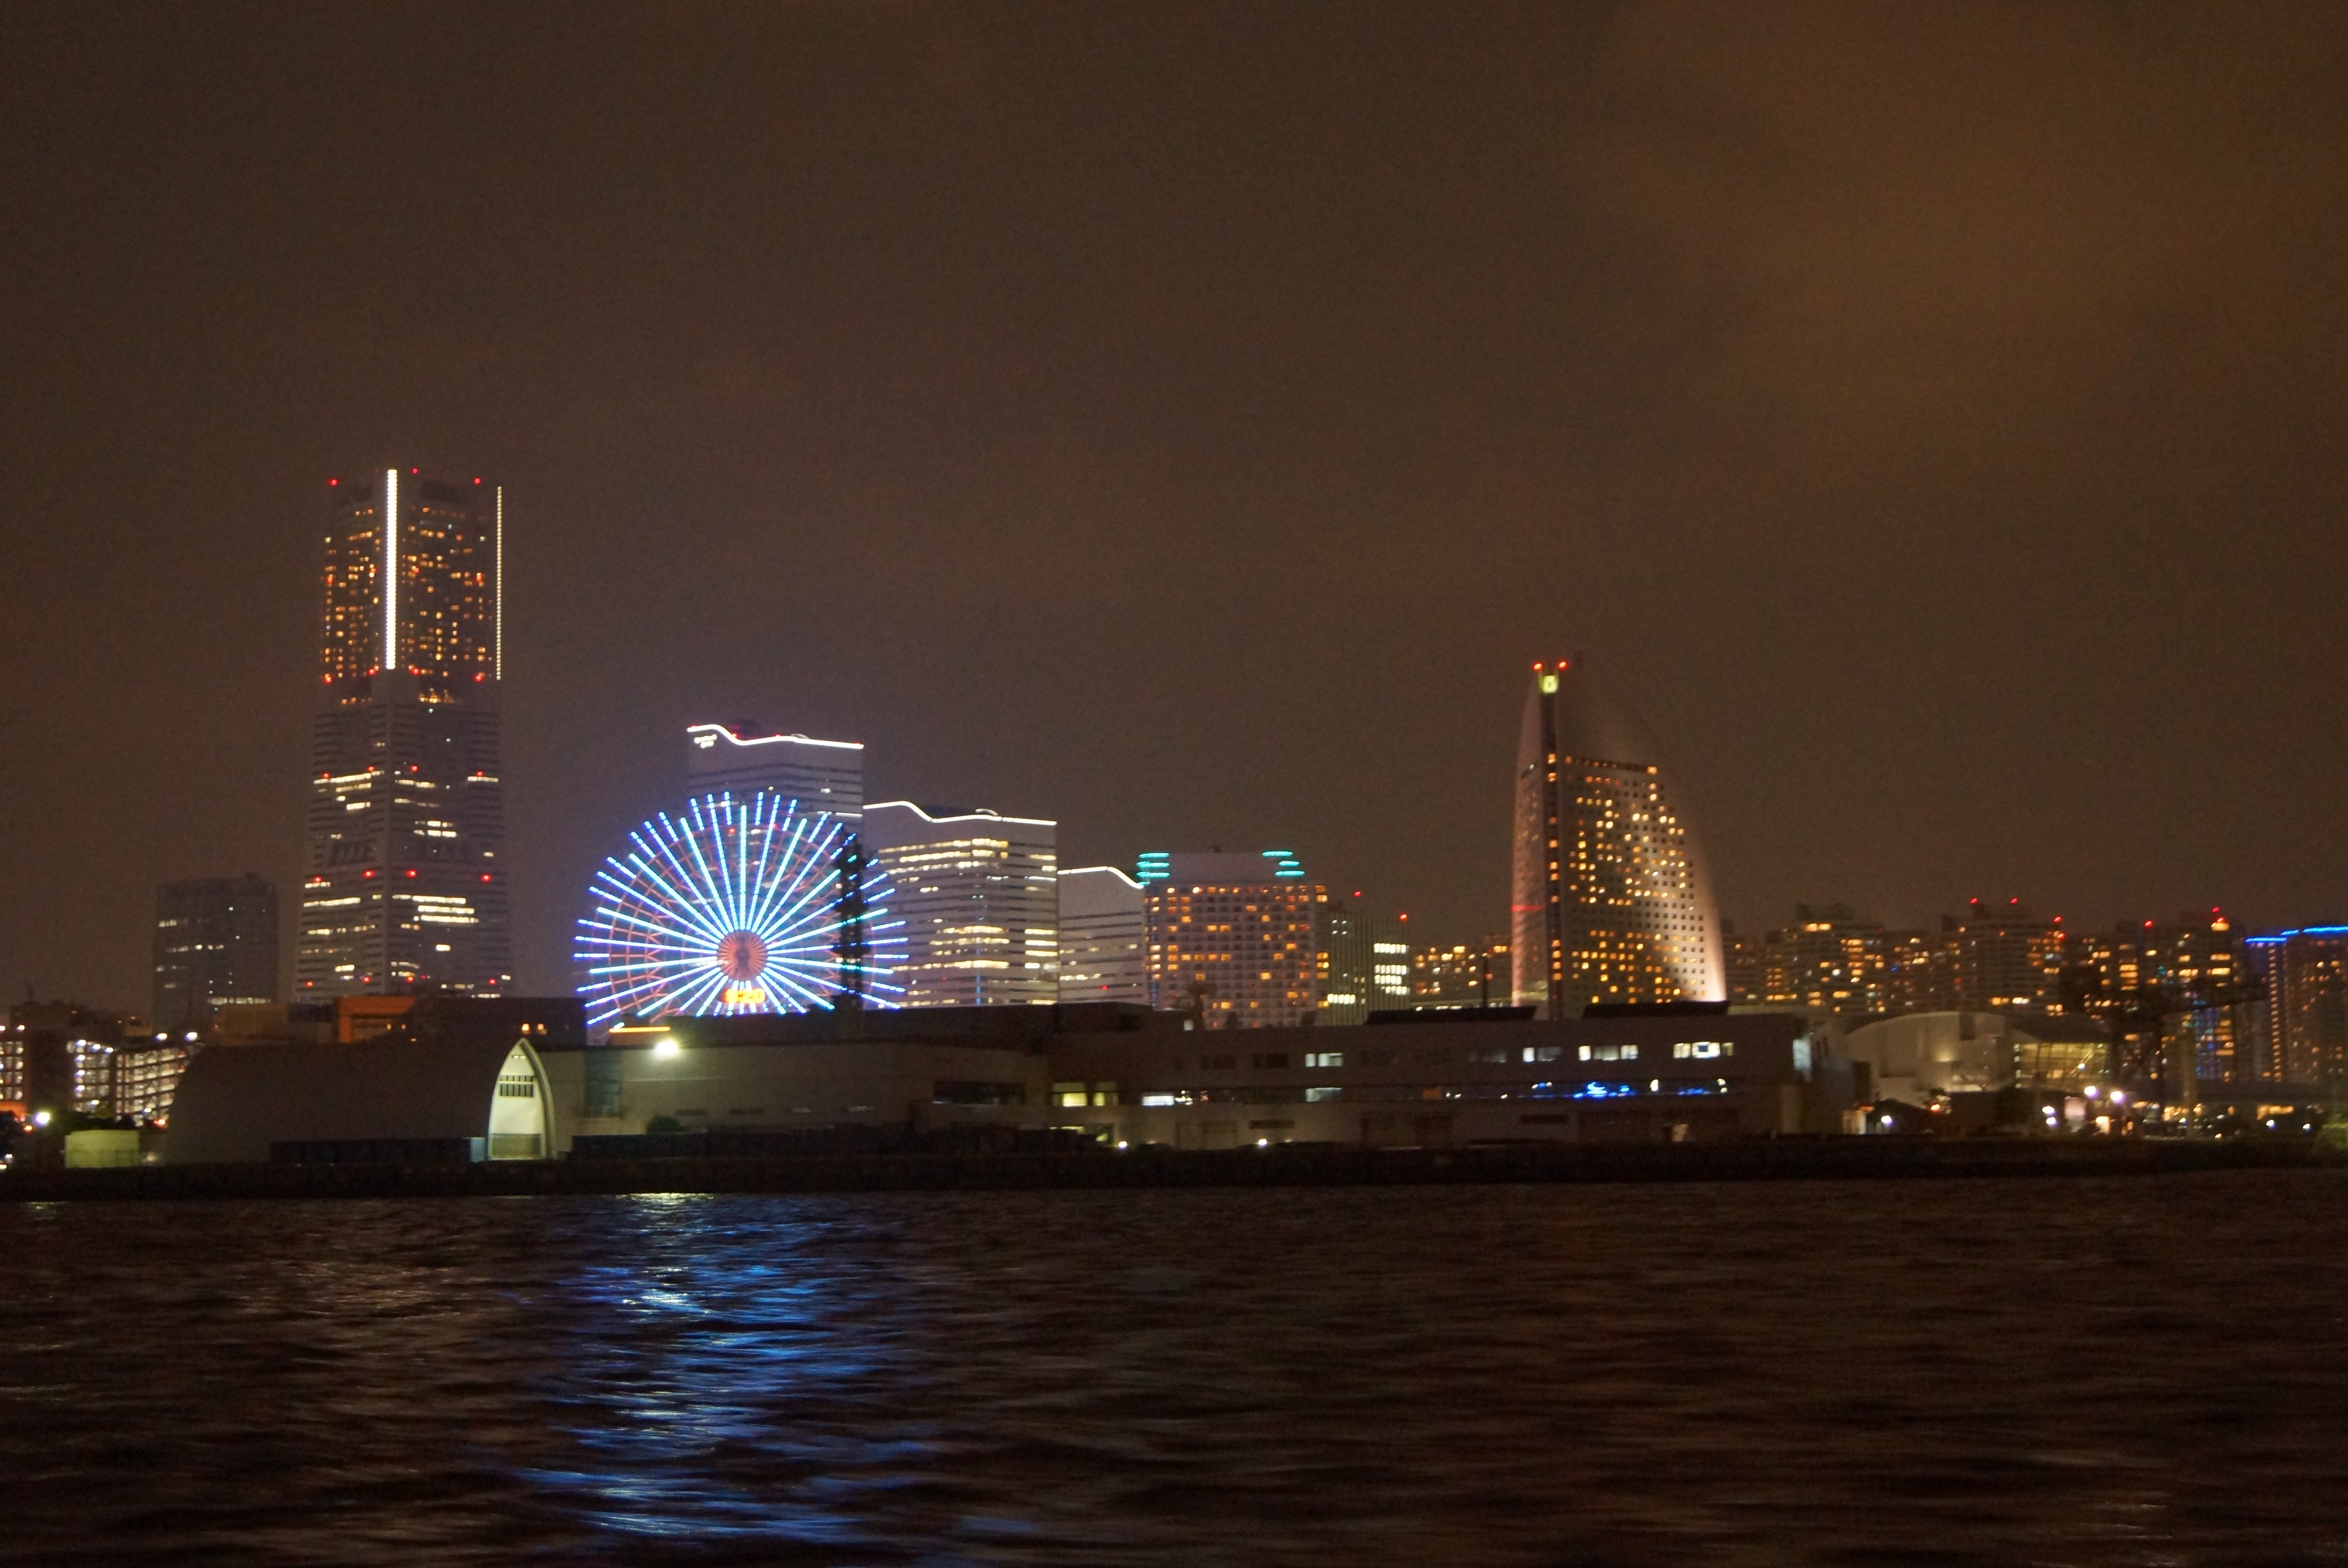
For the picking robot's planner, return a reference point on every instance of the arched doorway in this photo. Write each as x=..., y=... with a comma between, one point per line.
x=519, y=1125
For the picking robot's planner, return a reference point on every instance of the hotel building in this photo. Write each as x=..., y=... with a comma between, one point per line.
x=1102, y=937
x=1609, y=903
x=978, y=894
x=820, y=775
x=1232, y=938
x=405, y=883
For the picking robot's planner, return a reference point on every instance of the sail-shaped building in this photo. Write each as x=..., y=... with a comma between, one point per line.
x=1611, y=904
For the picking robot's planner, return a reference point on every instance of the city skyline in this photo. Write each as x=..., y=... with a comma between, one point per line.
x=1956, y=509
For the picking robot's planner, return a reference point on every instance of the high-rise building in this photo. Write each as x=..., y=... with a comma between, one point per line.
x=2305, y=1009
x=1345, y=968
x=1828, y=960
x=405, y=884
x=1611, y=904
x=2003, y=956
x=1232, y=938
x=1102, y=934
x=215, y=944
x=1741, y=965
x=820, y=775
x=978, y=893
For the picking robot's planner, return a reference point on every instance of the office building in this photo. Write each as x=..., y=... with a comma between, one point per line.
x=820, y=775
x=978, y=893
x=1611, y=903
x=405, y=884
x=215, y=945
x=1233, y=939
x=1102, y=935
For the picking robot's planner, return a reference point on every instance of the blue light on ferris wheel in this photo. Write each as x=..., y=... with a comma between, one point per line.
x=733, y=905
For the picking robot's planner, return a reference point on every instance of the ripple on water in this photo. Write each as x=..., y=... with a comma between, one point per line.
x=2140, y=1371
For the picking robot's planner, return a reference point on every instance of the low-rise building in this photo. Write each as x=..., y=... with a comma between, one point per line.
x=1635, y=1075
x=1919, y=1058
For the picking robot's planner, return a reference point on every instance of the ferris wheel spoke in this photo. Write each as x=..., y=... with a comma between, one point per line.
x=730, y=904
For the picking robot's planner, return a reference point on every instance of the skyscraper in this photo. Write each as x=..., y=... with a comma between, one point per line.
x=405, y=887
x=1102, y=933
x=821, y=775
x=978, y=894
x=1233, y=938
x=1609, y=903
x=215, y=942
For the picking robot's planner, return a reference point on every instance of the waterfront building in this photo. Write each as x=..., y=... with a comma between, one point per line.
x=1232, y=939
x=1611, y=904
x=2305, y=1006
x=1103, y=933
x=459, y=1079
x=978, y=894
x=819, y=776
x=215, y=945
x=454, y=1085
x=1931, y=1058
x=405, y=877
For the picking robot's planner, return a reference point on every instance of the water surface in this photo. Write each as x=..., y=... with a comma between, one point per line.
x=2143, y=1371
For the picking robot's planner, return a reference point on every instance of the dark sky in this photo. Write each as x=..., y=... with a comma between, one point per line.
x=1189, y=422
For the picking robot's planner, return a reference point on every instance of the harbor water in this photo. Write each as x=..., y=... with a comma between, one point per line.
x=2148, y=1370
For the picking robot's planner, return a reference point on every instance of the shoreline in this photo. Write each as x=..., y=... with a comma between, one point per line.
x=1280, y=1166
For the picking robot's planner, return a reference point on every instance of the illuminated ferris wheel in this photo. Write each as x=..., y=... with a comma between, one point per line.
x=737, y=904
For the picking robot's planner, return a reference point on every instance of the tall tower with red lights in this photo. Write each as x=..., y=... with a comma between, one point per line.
x=404, y=886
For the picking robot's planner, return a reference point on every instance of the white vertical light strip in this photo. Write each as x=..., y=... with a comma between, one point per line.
x=390, y=570
x=498, y=611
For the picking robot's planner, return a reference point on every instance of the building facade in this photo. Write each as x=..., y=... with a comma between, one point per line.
x=1233, y=939
x=1462, y=974
x=819, y=776
x=1609, y=901
x=1102, y=937
x=215, y=945
x=978, y=893
x=405, y=877
x=1345, y=967
x=2305, y=1006
x=59, y=1056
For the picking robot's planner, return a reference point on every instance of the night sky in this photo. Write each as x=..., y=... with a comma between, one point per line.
x=1190, y=422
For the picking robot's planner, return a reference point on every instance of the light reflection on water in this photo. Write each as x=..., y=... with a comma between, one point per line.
x=2142, y=1371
